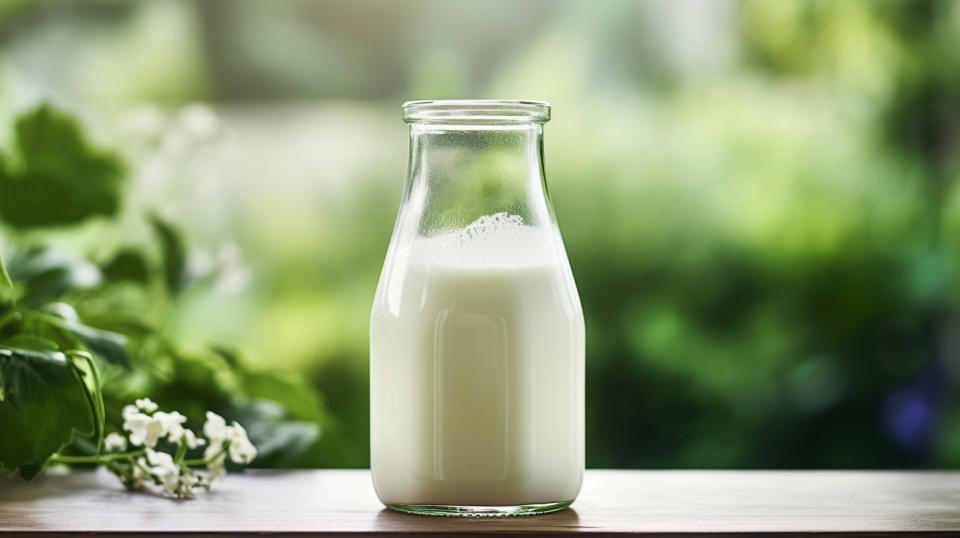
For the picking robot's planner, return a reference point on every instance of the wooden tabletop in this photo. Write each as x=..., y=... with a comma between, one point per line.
x=612, y=502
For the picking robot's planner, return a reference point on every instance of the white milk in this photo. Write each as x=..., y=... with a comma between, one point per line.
x=477, y=367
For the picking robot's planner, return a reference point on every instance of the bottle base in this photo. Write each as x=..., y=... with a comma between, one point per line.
x=445, y=510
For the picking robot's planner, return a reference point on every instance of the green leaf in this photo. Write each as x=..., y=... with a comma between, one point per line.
x=280, y=441
x=298, y=398
x=5, y=282
x=127, y=265
x=86, y=370
x=109, y=346
x=174, y=255
x=30, y=342
x=133, y=328
x=44, y=403
x=228, y=355
x=54, y=177
x=47, y=273
x=69, y=333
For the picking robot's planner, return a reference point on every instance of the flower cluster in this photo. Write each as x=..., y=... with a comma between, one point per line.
x=225, y=440
x=148, y=431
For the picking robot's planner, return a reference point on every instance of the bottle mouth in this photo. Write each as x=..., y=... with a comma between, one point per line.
x=477, y=111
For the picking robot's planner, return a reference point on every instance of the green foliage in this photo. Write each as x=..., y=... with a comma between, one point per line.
x=46, y=273
x=110, y=346
x=128, y=264
x=53, y=176
x=174, y=255
x=6, y=284
x=78, y=340
x=50, y=385
x=46, y=397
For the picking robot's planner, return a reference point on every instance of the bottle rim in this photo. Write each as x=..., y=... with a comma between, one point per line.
x=476, y=111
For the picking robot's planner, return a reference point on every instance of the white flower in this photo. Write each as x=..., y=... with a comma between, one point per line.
x=114, y=442
x=144, y=430
x=215, y=428
x=129, y=411
x=166, y=471
x=191, y=439
x=161, y=461
x=147, y=405
x=185, y=485
x=172, y=425
x=147, y=425
x=240, y=448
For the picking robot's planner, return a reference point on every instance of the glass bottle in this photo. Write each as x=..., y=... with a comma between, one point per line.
x=476, y=331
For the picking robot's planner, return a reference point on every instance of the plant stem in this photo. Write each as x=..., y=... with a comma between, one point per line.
x=102, y=458
x=204, y=461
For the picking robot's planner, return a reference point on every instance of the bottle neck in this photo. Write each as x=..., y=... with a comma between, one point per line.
x=459, y=173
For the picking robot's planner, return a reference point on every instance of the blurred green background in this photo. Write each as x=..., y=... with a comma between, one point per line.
x=760, y=202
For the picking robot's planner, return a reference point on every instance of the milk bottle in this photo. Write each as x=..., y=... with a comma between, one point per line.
x=476, y=332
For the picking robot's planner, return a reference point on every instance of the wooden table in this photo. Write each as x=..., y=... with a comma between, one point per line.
x=658, y=503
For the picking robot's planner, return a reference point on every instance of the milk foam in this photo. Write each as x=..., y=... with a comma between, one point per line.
x=498, y=240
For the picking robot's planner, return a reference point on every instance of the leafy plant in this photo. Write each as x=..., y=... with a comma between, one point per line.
x=53, y=176
x=49, y=382
x=78, y=338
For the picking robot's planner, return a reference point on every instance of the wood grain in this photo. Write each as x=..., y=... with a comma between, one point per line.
x=612, y=502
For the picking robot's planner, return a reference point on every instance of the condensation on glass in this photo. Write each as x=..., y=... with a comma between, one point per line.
x=476, y=331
